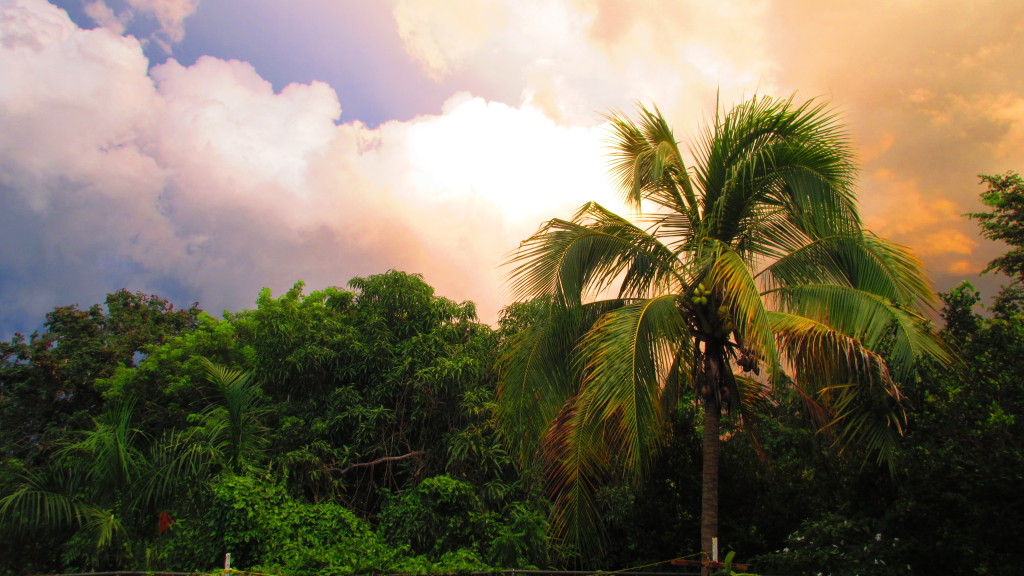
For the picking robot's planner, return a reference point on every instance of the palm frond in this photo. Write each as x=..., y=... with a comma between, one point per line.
x=851, y=392
x=222, y=376
x=755, y=399
x=823, y=355
x=534, y=375
x=570, y=259
x=647, y=164
x=575, y=463
x=861, y=261
x=871, y=319
x=236, y=413
x=771, y=151
x=903, y=275
x=729, y=274
x=110, y=452
x=102, y=527
x=174, y=463
x=867, y=418
x=46, y=497
x=827, y=260
x=627, y=358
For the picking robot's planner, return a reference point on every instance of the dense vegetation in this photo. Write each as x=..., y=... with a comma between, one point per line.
x=356, y=431
x=335, y=431
x=352, y=431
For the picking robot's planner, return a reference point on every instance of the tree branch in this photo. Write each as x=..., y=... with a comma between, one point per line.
x=375, y=462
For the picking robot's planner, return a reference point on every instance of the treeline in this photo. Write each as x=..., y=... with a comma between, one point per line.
x=353, y=431
x=333, y=432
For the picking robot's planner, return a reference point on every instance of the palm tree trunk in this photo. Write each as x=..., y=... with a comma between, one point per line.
x=709, y=478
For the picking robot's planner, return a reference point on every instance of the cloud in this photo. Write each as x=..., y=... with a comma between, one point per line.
x=443, y=33
x=577, y=58
x=203, y=180
x=106, y=17
x=925, y=90
x=922, y=86
x=169, y=16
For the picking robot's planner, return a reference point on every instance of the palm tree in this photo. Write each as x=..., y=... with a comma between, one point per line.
x=743, y=273
x=111, y=482
x=105, y=483
x=232, y=419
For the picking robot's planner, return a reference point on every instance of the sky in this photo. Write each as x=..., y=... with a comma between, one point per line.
x=204, y=149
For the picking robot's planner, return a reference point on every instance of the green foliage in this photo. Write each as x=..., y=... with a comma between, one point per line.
x=301, y=343
x=1005, y=196
x=375, y=388
x=1009, y=302
x=48, y=378
x=520, y=538
x=444, y=519
x=837, y=546
x=439, y=515
x=104, y=485
x=325, y=435
x=275, y=431
x=745, y=273
x=965, y=452
x=265, y=529
x=952, y=505
x=345, y=432
x=461, y=561
x=962, y=322
x=175, y=370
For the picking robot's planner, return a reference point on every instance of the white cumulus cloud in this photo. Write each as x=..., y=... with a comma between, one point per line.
x=203, y=180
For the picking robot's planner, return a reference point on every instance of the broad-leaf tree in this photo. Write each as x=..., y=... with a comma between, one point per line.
x=46, y=379
x=1005, y=221
x=959, y=505
x=747, y=270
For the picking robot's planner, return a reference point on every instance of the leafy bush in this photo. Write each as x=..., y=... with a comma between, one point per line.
x=837, y=546
x=264, y=529
x=520, y=539
x=440, y=515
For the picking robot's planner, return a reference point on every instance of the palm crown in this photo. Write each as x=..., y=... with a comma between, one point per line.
x=747, y=271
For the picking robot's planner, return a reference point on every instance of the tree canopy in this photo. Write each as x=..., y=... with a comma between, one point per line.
x=1005, y=220
x=334, y=406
